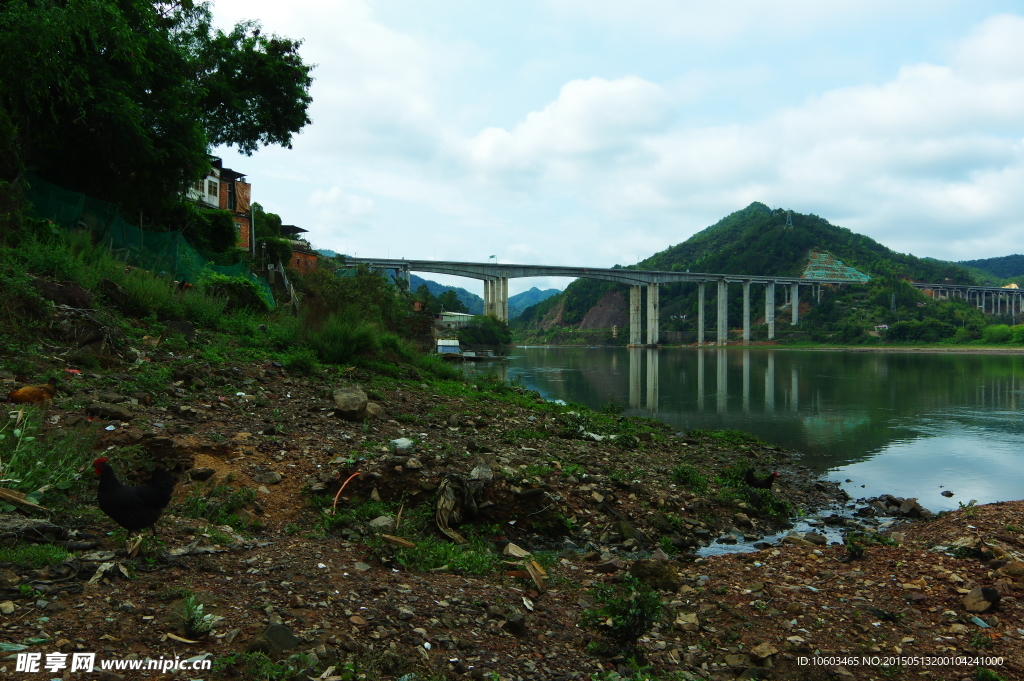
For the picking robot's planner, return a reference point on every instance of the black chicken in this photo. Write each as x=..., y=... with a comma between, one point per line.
x=760, y=483
x=133, y=508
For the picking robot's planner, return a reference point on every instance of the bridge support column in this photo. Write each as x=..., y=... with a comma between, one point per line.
x=488, y=307
x=769, y=308
x=653, y=314
x=794, y=299
x=636, y=334
x=700, y=313
x=746, y=313
x=503, y=299
x=723, y=312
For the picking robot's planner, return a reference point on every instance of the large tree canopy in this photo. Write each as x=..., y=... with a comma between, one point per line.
x=122, y=99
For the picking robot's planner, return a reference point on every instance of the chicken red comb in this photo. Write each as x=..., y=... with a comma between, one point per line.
x=100, y=460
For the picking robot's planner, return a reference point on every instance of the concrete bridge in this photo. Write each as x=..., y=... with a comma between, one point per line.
x=989, y=299
x=496, y=275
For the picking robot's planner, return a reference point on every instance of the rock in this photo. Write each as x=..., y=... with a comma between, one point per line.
x=268, y=478
x=200, y=474
x=912, y=509
x=947, y=493
x=608, y=567
x=106, y=675
x=515, y=624
x=186, y=329
x=7, y=608
x=143, y=398
x=742, y=520
x=454, y=420
x=362, y=567
x=763, y=650
x=350, y=403
x=815, y=538
x=109, y=411
x=687, y=621
x=656, y=574
x=659, y=555
x=112, y=398
x=403, y=445
x=274, y=640
x=413, y=464
x=127, y=606
x=981, y=599
x=383, y=522
x=405, y=613
x=375, y=411
x=737, y=660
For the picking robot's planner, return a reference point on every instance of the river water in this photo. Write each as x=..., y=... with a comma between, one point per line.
x=912, y=424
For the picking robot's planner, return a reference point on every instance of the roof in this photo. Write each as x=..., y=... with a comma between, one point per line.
x=229, y=174
x=825, y=266
x=292, y=229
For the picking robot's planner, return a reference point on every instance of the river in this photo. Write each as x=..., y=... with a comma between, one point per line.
x=912, y=424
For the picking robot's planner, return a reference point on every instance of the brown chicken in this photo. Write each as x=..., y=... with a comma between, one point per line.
x=34, y=394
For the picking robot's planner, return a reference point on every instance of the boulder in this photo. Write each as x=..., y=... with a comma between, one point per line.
x=656, y=574
x=350, y=403
x=109, y=411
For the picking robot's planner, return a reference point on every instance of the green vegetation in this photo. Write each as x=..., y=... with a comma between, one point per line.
x=33, y=555
x=686, y=474
x=123, y=100
x=218, y=503
x=259, y=667
x=42, y=468
x=485, y=331
x=197, y=623
x=624, y=612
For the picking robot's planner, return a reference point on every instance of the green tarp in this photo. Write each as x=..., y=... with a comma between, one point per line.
x=163, y=253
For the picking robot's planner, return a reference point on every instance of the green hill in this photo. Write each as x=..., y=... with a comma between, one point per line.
x=755, y=240
x=1006, y=267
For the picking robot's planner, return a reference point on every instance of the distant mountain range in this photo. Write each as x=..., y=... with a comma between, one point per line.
x=516, y=303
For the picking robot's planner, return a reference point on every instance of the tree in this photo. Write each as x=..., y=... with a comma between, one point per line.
x=450, y=302
x=122, y=99
x=266, y=224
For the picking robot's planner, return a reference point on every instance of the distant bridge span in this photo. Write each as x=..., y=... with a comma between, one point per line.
x=496, y=275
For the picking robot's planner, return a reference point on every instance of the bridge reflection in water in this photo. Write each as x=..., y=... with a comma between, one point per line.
x=644, y=363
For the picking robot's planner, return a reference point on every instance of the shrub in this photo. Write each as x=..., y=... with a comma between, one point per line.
x=1017, y=334
x=485, y=331
x=625, y=612
x=996, y=333
x=241, y=293
x=340, y=339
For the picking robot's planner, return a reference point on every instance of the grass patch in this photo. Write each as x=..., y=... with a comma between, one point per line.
x=33, y=555
x=685, y=474
x=44, y=466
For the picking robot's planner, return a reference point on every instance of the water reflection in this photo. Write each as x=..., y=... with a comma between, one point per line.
x=884, y=419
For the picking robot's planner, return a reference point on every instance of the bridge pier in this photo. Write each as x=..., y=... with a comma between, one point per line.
x=653, y=314
x=794, y=299
x=635, y=332
x=746, y=312
x=723, y=312
x=769, y=308
x=503, y=299
x=700, y=314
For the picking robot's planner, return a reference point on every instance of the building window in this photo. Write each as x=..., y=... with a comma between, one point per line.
x=199, y=186
x=211, y=188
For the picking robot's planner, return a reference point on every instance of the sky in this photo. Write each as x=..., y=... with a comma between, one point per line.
x=594, y=133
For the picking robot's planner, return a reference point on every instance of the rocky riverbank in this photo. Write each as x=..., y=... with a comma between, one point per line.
x=553, y=503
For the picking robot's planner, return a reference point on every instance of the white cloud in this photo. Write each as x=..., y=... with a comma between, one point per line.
x=617, y=160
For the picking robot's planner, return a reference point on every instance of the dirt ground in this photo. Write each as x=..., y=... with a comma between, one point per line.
x=899, y=599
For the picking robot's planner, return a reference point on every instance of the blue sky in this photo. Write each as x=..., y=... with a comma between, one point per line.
x=594, y=133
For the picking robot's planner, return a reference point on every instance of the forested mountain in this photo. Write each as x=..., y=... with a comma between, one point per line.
x=471, y=300
x=755, y=240
x=1006, y=267
x=521, y=301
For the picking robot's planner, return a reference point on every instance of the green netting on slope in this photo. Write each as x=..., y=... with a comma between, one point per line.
x=163, y=253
